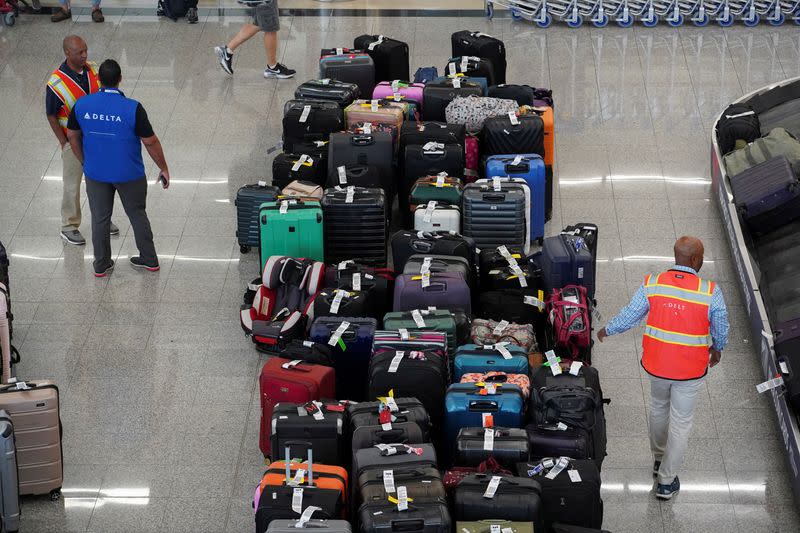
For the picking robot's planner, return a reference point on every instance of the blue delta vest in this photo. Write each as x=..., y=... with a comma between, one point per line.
x=112, y=152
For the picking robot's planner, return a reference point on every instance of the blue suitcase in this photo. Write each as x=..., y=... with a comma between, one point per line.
x=351, y=352
x=529, y=167
x=567, y=260
x=465, y=406
x=471, y=358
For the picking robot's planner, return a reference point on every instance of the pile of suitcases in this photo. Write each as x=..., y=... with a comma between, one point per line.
x=436, y=376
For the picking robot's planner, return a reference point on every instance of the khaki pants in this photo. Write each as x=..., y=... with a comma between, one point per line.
x=72, y=174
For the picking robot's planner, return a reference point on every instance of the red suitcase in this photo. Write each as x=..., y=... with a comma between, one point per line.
x=283, y=380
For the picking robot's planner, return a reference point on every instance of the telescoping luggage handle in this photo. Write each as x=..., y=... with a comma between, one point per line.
x=287, y=459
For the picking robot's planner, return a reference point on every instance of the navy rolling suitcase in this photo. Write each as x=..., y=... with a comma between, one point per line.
x=248, y=202
x=351, y=339
x=567, y=260
x=467, y=407
x=767, y=195
x=529, y=167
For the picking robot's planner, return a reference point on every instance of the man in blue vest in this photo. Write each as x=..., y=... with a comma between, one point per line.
x=106, y=130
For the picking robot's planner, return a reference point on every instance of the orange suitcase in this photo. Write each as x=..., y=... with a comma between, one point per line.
x=546, y=112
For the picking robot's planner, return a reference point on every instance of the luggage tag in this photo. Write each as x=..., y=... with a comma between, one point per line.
x=351, y=192
x=769, y=385
x=403, y=334
x=432, y=146
x=284, y=207
x=373, y=105
x=373, y=44
x=336, y=338
x=517, y=160
x=548, y=463
x=340, y=51
x=496, y=186
x=389, y=402
x=491, y=489
x=534, y=301
x=487, y=420
x=574, y=476
x=402, y=499
x=343, y=264
x=429, y=211
x=316, y=412
x=783, y=367
x=298, y=478
x=500, y=327
x=397, y=97
x=536, y=470
x=290, y=364
x=342, y=175
x=495, y=528
x=575, y=368
x=503, y=251
x=337, y=300
x=357, y=281
x=553, y=361
x=519, y=274
x=425, y=271
x=297, y=500
x=513, y=118
x=388, y=481
x=501, y=347
x=395, y=85
x=452, y=69
x=262, y=183
x=440, y=177
x=411, y=450
x=325, y=81
x=416, y=316
x=456, y=83
x=395, y=364
x=465, y=63
x=306, y=516
x=562, y=463
x=488, y=439
x=305, y=113
x=308, y=344
x=385, y=419
x=366, y=129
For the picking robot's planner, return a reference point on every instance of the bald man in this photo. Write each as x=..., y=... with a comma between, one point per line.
x=686, y=331
x=76, y=77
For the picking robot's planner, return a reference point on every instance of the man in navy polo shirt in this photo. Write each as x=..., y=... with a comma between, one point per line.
x=106, y=130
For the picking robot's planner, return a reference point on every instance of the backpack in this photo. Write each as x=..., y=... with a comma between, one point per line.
x=173, y=9
x=568, y=312
x=426, y=74
x=738, y=122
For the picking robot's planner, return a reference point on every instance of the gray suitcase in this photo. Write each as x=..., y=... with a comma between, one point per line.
x=376, y=457
x=316, y=525
x=495, y=218
x=9, y=487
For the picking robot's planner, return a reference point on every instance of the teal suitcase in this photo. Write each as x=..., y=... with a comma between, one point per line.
x=291, y=228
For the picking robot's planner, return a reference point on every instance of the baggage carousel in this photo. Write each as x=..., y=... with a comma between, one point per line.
x=768, y=267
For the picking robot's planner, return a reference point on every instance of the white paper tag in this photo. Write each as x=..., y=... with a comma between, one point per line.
x=351, y=192
x=342, y=175
x=452, y=69
x=391, y=404
x=357, y=281
x=388, y=481
x=325, y=81
x=517, y=160
x=555, y=368
x=784, y=367
x=395, y=85
x=500, y=327
x=297, y=500
x=417, y=317
x=298, y=477
x=426, y=279
x=574, y=476
x=488, y=439
x=397, y=97
x=490, y=388
x=395, y=364
x=306, y=516
x=262, y=183
x=561, y=426
x=305, y=113
x=290, y=364
x=501, y=347
x=548, y=463
x=338, y=333
x=769, y=385
x=432, y=146
x=337, y=301
x=456, y=83
x=440, y=179
x=520, y=275
x=403, y=334
x=343, y=264
x=513, y=118
x=532, y=300
x=429, y=211
x=507, y=530
x=575, y=368
x=495, y=528
x=366, y=129
x=558, y=468
x=496, y=184
x=373, y=106
x=318, y=414
x=580, y=272
x=284, y=207
x=402, y=499
x=492, y=487
x=426, y=265
x=339, y=51
x=308, y=344
x=299, y=162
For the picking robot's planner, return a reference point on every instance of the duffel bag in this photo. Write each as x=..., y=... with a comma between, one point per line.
x=777, y=142
x=472, y=111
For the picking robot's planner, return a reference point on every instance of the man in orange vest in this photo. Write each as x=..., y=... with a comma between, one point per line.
x=686, y=331
x=75, y=77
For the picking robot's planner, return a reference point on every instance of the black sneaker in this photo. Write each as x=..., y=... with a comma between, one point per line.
x=106, y=272
x=138, y=262
x=191, y=15
x=666, y=492
x=280, y=71
x=225, y=59
x=73, y=237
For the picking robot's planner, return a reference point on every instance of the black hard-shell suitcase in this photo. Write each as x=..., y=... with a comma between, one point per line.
x=422, y=484
x=522, y=135
x=472, y=67
x=309, y=120
x=393, y=456
x=375, y=149
x=422, y=517
x=475, y=43
x=408, y=410
x=369, y=436
x=738, y=123
x=438, y=94
x=506, y=445
x=341, y=92
x=523, y=94
x=389, y=55
x=360, y=176
x=407, y=243
x=351, y=67
x=495, y=218
x=322, y=426
x=767, y=195
x=248, y=201
x=355, y=225
x=569, y=502
x=423, y=132
x=516, y=498
x=287, y=168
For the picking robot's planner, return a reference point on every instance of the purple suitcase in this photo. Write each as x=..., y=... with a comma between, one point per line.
x=447, y=290
x=410, y=91
x=767, y=195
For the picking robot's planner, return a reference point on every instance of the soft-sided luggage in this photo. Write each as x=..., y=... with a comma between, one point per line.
x=406, y=91
x=289, y=382
x=500, y=357
x=506, y=445
x=362, y=149
x=288, y=488
x=369, y=436
x=422, y=484
x=9, y=488
x=471, y=66
x=423, y=132
x=438, y=94
x=455, y=474
x=419, y=263
x=349, y=66
x=321, y=425
x=522, y=94
x=248, y=204
x=389, y=55
x=482, y=496
x=443, y=290
x=569, y=498
x=360, y=176
x=303, y=190
x=738, y=123
x=287, y=168
x=568, y=311
x=291, y=227
x=472, y=111
x=492, y=332
x=567, y=260
x=441, y=188
x=351, y=339
x=501, y=256
x=497, y=214
x=309, y=120
x=520, y=306
x=393, y=455
x=333, y=302
x=529, y=167
x=375, y=112
x=342, y=93
x=435, y=216
x=402, y=409
x=419, y=517
x=407, y=243
x=425, y=74
x=355, y=225
x=432, y=158
x=491, y=526
x=522, y=134
x=471, y=405
x=767, y=195
x=475, y=43
x=312, y=353
x=428, y=320
x=378, y=283
x=320, y=525
x=776, y=143
x=34, y=409
x=552, y=440
x=472, y=158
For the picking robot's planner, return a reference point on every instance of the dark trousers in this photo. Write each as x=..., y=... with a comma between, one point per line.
x=101, y=203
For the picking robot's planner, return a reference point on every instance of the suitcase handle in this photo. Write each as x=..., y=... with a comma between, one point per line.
x=287, y=458
x=391, y=436
x=362, y=140
x=493, y=197
x=482, y=406
x=421, y=246
x=408, y=524
x=436, y=286
x=497, y=378
x=519, y=168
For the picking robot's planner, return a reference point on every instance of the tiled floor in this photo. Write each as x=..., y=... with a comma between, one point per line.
x=158, y=384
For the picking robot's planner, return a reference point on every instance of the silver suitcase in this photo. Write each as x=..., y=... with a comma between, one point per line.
x=9, y=488
x=316, y=525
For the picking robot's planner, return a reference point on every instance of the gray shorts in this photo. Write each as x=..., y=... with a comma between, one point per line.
x=265, y=16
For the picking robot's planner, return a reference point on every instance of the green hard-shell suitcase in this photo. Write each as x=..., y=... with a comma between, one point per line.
x=485, y=526
x=291, y=227
x=439, y=320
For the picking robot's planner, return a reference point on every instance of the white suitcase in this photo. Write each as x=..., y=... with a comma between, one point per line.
x=434, y=216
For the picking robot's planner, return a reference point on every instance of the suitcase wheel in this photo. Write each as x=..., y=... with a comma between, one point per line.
x=244, y=248
x=55, y=495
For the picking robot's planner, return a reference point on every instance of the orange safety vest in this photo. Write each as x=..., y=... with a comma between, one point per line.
x=678, y=330
x=68, y=91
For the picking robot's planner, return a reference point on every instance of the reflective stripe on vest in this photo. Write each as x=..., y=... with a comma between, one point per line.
x=68, y=91
x=674, y=337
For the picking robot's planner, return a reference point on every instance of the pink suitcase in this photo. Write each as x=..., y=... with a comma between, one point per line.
x=472, y=160
x=411, y=91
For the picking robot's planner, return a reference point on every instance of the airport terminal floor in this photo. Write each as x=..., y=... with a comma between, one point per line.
x=159, y=388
